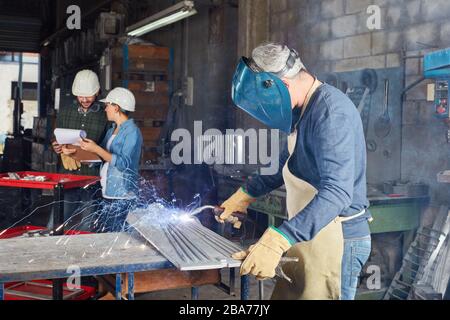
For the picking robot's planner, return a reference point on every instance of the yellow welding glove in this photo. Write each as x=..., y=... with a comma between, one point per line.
x=238, y=202
x=69, y=163
x=263, y=257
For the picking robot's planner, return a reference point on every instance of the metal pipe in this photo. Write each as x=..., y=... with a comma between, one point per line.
x=412, y=85
x=18, y=99
x=130, y=286
x=413, y=57
x=194, y=293
x=261, y=289
x=245, y=287
x=201, y=209
x=118, y=292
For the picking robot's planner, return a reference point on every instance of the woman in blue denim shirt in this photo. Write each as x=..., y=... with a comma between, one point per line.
x=121, y=152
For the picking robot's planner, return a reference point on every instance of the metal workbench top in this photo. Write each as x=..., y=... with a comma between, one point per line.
x=93, y=254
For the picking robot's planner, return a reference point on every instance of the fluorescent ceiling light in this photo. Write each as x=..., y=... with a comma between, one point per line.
x=168, y=16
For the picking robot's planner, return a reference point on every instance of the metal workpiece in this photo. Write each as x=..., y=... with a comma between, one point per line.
x=185, y=242
x=225, y=248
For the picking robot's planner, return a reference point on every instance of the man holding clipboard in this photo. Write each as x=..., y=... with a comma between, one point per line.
x=85, y=114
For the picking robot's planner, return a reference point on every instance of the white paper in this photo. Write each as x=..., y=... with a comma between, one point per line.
x=69, y=136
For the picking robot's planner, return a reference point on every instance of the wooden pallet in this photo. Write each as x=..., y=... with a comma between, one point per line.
x=146, y=74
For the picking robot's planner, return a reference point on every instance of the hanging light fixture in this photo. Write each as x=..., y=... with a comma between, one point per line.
x=168, y=16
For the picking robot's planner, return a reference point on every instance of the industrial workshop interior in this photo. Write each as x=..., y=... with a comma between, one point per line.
x=224, y=150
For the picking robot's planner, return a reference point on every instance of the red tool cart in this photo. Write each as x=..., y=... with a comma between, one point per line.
x=50, y=181
x=40, y=289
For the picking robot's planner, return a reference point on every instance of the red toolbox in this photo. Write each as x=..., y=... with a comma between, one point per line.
x=43, y=290
x=40, y=289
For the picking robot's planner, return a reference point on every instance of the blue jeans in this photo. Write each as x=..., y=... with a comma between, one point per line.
x=356, y=254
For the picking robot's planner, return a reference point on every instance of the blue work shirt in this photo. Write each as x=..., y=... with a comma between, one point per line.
x=123, y=171
x=330, y=154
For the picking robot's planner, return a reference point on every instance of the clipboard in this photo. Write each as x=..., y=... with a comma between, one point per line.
x=84, y=156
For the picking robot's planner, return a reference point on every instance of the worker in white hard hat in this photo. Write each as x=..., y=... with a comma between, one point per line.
x=121, y=153
x=84, y=113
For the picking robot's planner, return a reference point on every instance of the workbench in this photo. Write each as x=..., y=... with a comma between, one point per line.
x=57, y=183
x=53, y=181
x=24, y=259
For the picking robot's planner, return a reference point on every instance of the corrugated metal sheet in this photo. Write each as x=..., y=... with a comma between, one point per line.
x=19, y=34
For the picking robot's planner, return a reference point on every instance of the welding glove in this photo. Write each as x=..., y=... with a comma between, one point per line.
x=70, y=163
x=262, y=258
x=238, y=202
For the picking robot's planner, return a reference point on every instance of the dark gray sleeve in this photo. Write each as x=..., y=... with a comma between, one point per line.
x=334, y=153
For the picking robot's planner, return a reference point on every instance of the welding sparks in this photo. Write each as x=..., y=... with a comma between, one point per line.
x=65, y=242
x=126, y=246
x=100, y=215
x=185, y=218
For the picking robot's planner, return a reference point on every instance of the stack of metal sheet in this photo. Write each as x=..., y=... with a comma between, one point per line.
x=185, y=242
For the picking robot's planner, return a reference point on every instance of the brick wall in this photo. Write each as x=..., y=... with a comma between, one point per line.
x=337, y=37
x=332, y=36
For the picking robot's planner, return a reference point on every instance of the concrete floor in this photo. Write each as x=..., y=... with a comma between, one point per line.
x=212, y=292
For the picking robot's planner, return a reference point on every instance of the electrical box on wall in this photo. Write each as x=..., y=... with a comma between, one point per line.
x=437, y=66
x=109, y=25
x=441, y=99
x=188, y=91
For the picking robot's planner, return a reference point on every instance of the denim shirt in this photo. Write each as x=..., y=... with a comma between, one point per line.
x=330, y=154
x=122, y=176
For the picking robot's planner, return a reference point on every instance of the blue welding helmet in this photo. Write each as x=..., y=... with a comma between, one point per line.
x=262, y=95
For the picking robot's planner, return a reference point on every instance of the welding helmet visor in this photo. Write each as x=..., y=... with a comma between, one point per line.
x=262, y=95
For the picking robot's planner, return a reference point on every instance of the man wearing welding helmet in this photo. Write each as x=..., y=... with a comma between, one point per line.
x=323, y=168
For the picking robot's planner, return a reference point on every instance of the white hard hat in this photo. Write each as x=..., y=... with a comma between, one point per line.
x=86, y=84
x=124, y=98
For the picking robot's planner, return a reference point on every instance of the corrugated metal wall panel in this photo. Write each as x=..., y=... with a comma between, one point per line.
x=20, y=34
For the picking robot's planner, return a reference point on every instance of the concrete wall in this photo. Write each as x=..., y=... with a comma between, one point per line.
x=211, y=51
x=332, y=36
x=254, y=22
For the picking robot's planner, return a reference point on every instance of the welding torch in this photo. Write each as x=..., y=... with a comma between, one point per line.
x=236, y=219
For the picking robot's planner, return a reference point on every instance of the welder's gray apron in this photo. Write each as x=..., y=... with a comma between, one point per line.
x=317, y=274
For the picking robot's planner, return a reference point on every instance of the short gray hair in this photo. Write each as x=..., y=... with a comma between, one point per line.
x=272, y=57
